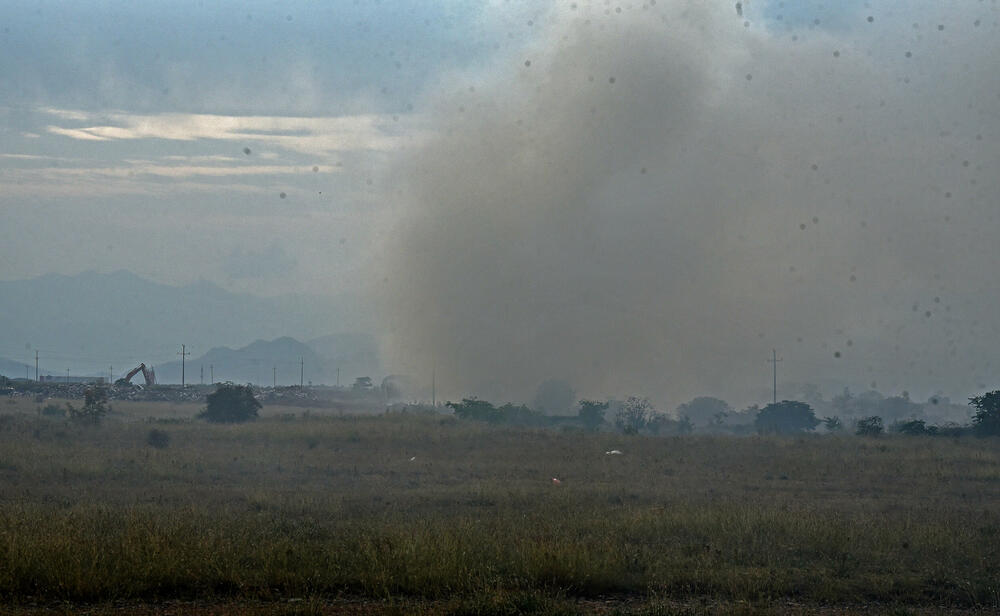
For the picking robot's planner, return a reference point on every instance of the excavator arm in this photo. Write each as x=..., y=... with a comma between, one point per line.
x=147, y=374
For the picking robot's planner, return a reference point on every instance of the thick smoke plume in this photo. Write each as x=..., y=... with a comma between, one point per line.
x=647, y=201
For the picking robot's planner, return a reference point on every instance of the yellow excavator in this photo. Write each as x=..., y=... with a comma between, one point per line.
x=147, y=373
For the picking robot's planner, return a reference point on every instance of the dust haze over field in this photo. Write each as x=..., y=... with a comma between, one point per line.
x=646, y=198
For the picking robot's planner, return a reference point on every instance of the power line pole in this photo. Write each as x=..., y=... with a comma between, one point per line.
x=434, y=386
x=36, y=365
x=111, y=374
x=202, y=376
x=774, y=360
x=338, y=376
x=211, y=371
x=302, y=370
x=274, y=377
x=183, y=354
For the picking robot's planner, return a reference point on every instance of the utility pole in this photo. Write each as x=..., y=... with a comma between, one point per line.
x=338, y=377
x=434, y=386
x=67, y=375
x=211, y=371
x=111, y=374
x=202, y=376
x=302, y=370
x=36, y=365
x=183, y=354
x=274, y=377
x=774, y=360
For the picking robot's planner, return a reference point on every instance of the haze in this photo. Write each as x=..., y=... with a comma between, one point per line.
x=638, y=198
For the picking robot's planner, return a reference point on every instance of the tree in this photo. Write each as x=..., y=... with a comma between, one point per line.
x=363, y=383
x=634, y=415
x=704, y=411
x=785, y=417
x=95, y=406
x=833, y=424
x=870, y=426
x=231, y=403
x=591, y=413
x=986, y=421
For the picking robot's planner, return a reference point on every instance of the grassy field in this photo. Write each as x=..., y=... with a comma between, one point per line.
x=309, y=513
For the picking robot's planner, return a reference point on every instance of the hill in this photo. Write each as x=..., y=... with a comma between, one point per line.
x=91, y=320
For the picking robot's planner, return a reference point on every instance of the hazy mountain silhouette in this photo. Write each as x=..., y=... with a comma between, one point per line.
x=90, y=320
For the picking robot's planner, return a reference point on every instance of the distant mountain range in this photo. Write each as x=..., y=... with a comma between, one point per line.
x=283, y=361
x=92, y=321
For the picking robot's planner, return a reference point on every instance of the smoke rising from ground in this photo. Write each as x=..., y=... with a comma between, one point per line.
x=647, y=202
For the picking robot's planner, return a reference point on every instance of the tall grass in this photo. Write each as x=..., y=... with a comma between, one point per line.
x=428, y=508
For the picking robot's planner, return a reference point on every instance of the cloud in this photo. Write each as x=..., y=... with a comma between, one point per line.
x=648, y=201
x=318, y=136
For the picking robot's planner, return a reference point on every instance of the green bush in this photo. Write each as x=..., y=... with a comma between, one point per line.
x=231, y=403
x=870, y=426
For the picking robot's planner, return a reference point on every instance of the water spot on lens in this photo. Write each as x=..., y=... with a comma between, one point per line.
x=282, y=195
x=802, y=226
x=836, y=354
x=815, y=220
x=947, y=195
x=937, y=300
x=850, y=343
x=870, y=19
x=927, y=313
x=815, y=167
x=940, y=27
x=836, y=54
x=854, y=278
x=527, y=62
x=749, y=76
x=246, y=151
x=611, y=79
x=315, y=169
x=909, y=54
x=643, y=170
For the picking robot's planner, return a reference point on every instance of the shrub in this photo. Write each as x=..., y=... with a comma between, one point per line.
x=95, y=406
x=157, y=438
x=231, y=404
x=915, y=427
x=53, y=410
x=870, y=426
x=833, y=424
x=785, y=417
x=475, y=409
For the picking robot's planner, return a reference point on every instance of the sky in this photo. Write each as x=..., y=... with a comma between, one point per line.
x=636, y=197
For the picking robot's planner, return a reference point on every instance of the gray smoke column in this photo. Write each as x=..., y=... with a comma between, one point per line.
x=647, y=201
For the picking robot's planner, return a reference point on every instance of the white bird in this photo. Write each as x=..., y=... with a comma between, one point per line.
x=556, y=481
x=613, y=452
x=413, y=458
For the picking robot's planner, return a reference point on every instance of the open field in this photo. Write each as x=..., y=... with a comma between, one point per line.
x=303, y=513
